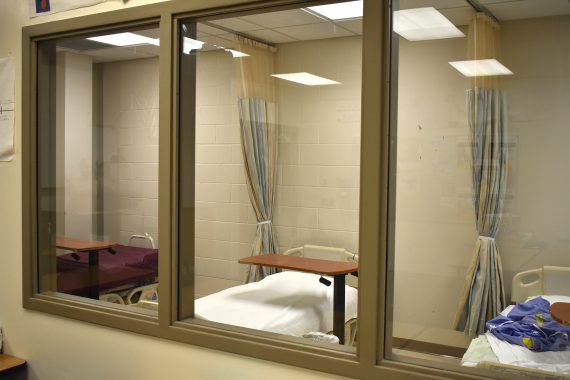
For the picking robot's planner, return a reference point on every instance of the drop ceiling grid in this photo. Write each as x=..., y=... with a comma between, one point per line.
x=524, y=9
x=286, y=26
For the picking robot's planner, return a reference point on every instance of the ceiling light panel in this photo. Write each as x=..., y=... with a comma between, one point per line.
x=125, y=39
x=481, y=68
x=339, y=11
x=421, y=24
x=237, y=53
x=306, y=79
x=189, y=44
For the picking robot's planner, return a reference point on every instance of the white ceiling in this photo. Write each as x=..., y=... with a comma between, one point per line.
x=279, y=27
x=300, y=25
x=459, y=11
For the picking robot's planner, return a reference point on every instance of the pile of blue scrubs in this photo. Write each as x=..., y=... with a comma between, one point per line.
x=530, y=325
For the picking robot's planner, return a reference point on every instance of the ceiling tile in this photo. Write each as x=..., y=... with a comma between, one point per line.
x=123, y=54
x=236, y=24
x=271, y=36
x=204, y=29
x=227, y=42
x=284, y=18
x=354, y=25
x=152, y=33
x=485, y=2
x=522, y=9
x=437, y=4
x=458, y=16
x=315, y=31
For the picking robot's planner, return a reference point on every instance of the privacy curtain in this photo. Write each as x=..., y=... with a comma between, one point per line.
x=483, y=295
x=259, y=141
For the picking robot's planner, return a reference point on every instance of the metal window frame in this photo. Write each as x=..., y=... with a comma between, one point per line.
x=367, y=362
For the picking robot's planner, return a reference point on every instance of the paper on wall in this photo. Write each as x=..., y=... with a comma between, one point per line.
x=46, y=7
x=7, y=78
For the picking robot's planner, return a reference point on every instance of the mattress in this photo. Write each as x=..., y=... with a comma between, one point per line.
x=76, y=282
x=291, y=303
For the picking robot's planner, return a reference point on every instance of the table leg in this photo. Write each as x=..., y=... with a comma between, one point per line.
x=93, y=275
x=338, y=307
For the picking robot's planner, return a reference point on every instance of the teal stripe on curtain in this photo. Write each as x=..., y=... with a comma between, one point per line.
x=259, y=137
x=483, y=296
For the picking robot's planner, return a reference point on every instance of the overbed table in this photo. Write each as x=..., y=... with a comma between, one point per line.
x=93, y=248
x=337, y=269
x=560, y=311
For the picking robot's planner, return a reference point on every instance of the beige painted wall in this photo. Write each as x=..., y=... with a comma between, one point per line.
x=535, y=229
x=74, y=123
x=318, y=165
x=130, y=149
x=58, y=348
x=434, y=217
x=435, y=230
x=225, y=222
x=317, y=197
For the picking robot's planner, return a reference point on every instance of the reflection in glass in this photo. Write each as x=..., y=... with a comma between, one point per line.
x=475, y=197
x=275, y=176
x=98, y=166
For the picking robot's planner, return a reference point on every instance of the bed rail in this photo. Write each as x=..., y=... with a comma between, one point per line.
x=548, y=280
x=145, y=236
x=327, y=253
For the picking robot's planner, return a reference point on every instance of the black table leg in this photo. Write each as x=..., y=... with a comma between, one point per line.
x=338, y=307
x=93, y=275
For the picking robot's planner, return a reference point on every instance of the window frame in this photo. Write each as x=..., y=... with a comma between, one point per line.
x=374, y=180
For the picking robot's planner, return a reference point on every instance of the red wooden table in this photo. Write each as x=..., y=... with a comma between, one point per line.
x=560, y=312
x=93, y=247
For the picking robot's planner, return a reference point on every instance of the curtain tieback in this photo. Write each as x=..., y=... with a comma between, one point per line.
x=263, y=222
x=481, y=237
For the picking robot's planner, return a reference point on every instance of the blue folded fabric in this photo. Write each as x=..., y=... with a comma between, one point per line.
x=530, y=325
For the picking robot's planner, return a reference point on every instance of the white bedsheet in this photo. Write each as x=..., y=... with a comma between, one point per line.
x=506, y=353
x=289, y=302
x=555, y=361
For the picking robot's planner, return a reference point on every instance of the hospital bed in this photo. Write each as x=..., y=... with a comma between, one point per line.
x=487, y=351
x=289, y=302
x=123, y=268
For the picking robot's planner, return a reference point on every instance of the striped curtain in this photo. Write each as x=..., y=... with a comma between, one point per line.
x=258, y=123
x=483, y=295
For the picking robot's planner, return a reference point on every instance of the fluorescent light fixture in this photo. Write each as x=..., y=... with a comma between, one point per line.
x=481, y=68
x=190, y=44
x=126, y=39
x=421, y=24
x=236, y=53
x=306, y=79
x=340, y=11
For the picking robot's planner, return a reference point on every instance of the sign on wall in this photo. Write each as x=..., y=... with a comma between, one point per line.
x=7, y=75
x=44, y=7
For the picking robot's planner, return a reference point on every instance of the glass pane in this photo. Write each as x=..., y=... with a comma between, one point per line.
x=269, y=170
x=98, y=166
x=479, y=182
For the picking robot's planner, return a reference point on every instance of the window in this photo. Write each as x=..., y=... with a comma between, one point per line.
x=317, y=174
x=167, y=137
x=98, y=165
x=270, y=149
x=478, y=190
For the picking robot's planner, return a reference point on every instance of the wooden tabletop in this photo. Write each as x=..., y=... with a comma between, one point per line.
x=303, y=264
x=560, y=311
x=9, y=362
x=79, y=245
